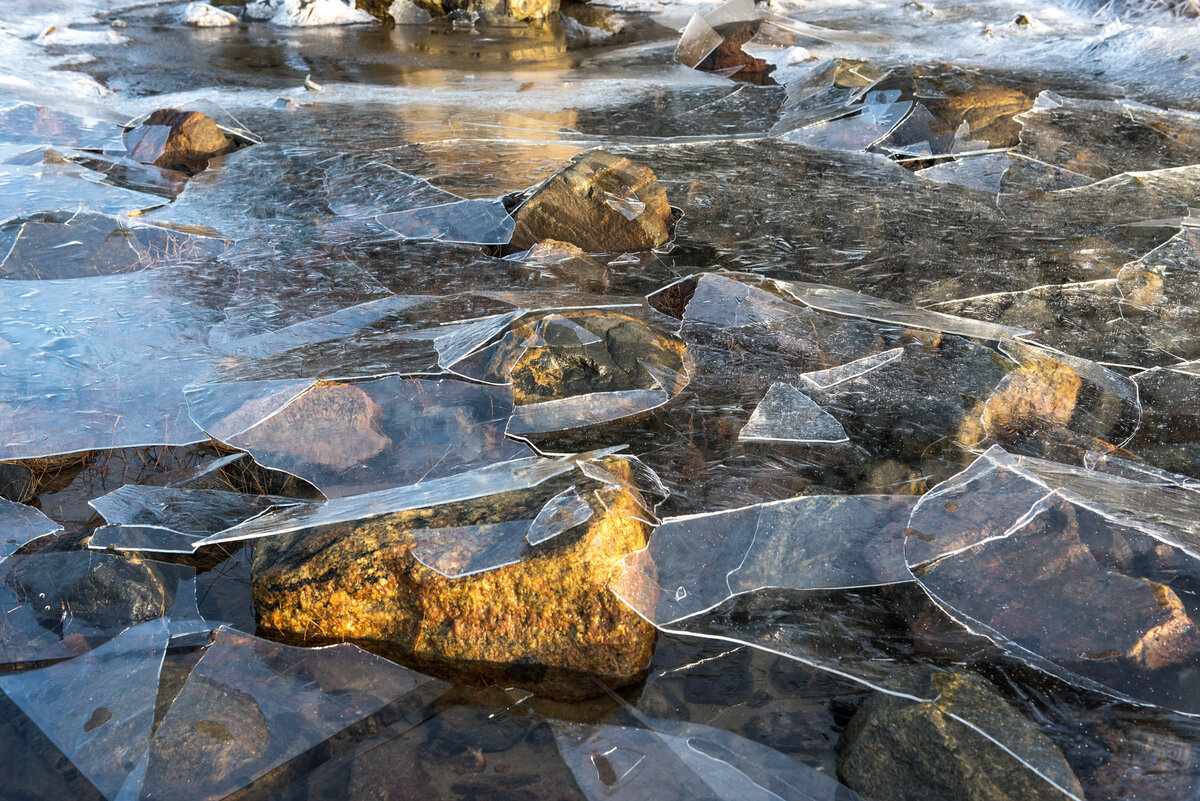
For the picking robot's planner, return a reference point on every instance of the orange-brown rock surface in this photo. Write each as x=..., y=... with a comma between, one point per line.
x=548, y=622
x=189, y=141
x=598, y=202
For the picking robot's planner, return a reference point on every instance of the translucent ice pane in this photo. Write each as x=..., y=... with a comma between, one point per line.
x=786, y=414
x=475, y=222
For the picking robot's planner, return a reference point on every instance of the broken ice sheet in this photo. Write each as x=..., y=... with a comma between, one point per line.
x=251, y=705
x=984, y=172
x=786, y=414
x=879, y=113
x=81, y=244
x=855, y=304
x=856, y=634
x=1078, y=403
x=1102, y=138
x=831, y=377
x=1055, y=579
x=20, y=525
x=98, y=708
x=107, y=359
x=698, y=562
x=350, y=437
x=25, y=123
x=473, y=222
x=365, y=186
x=63, y=186
x=674, y=760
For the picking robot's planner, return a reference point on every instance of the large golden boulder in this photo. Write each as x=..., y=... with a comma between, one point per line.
x=470, y=591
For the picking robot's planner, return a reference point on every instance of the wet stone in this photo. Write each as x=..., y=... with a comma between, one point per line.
x=303, y=429
x=729, y=58
x=560, y=355
x=895, y=748
x=177, y=140
x=97, y=588
x=546, y=622
x=598, y=202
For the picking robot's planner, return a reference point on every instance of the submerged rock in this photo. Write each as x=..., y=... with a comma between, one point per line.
x=332, y=425
x=177, y=140
x=987, y=110
x=99, y=588
x=598, y=202
x=543, y=619
x=897, y=748
x=556, y=355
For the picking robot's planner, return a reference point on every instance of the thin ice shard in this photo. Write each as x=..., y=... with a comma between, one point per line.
x=459, y=551
x=786, y=414
x=561, y=513
x=193, y=511
x=855, y=304
x=20, y=525
x=879, y=113
x=473, y=222
x=819, y=542
x=508, y=476
x=697, y=42
x=985, y=173
x=98, y=708
x=826, y=379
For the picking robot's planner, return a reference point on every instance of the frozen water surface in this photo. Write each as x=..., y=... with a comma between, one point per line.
x=911, y=393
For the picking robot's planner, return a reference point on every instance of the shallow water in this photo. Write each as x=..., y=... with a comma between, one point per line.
x=935, y=413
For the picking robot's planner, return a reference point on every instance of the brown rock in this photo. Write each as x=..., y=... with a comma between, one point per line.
x=177, y=140
x=331, y=425
x=730, y=56
x=1043, y=588
x=988, y=111
x=896, y=749
x=1040, y=392
x=548, y=622
x=598, y=202
x=558, y=365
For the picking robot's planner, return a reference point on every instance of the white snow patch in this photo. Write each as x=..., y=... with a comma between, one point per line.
x=202, y=15
x=303, y=13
